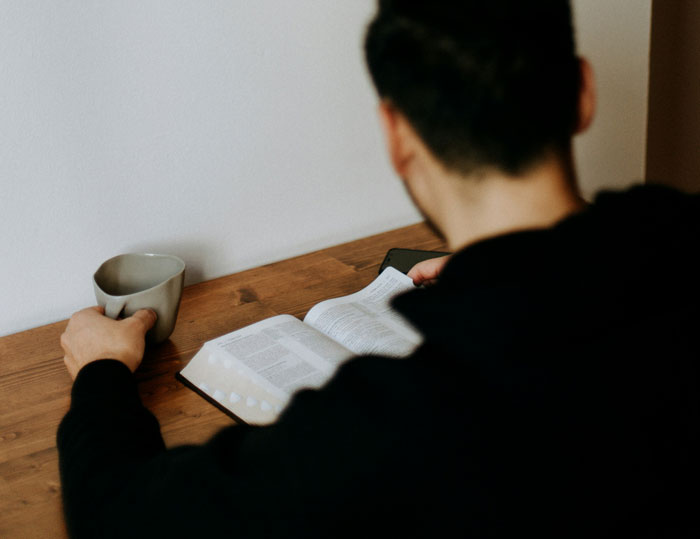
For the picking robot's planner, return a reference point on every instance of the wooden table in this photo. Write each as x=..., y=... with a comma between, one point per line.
x=35, y=387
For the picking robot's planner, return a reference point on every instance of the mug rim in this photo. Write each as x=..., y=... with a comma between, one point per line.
x=177, y=259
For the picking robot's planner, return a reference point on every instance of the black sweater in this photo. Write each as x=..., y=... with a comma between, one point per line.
x=557, y=393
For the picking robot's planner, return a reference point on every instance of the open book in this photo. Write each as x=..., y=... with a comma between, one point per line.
x=251, y=373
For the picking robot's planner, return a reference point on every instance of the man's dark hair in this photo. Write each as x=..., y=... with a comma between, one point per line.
x=485, y=83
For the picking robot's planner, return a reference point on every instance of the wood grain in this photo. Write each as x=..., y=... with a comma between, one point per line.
x=35, y=387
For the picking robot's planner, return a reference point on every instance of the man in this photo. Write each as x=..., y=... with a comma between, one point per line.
x=556, y=393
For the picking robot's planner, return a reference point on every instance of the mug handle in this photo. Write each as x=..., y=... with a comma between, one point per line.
x=114, y=307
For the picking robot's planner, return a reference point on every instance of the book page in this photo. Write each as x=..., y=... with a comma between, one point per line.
x=254, y=371
x=365, y=322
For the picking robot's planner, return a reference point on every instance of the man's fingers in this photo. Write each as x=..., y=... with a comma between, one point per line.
x=427, y=270
x=91, y=311
x=90, y=336
x=416, y=276
x=417, y=273
x=146, y=317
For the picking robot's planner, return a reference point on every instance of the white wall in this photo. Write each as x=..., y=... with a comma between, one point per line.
x=614, y=35
x=229, y=132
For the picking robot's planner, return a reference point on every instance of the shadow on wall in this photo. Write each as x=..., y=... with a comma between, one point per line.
x=673, y=130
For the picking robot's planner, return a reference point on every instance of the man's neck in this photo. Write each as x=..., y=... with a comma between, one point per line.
x=473, y=209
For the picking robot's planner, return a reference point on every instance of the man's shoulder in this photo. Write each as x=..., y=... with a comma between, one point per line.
x=646, y=197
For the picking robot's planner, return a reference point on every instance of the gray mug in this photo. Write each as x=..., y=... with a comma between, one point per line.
x=129, y=282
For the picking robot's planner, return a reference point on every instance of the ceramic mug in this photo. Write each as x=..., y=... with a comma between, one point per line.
x=129, y=282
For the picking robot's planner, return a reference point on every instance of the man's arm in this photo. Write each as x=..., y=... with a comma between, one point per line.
x=310, y=470
x=324, y=468
x=340, y=460
x=107, y=432
x=106, y=435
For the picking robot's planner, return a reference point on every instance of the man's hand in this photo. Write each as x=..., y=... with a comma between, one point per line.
x=427, y=272
x=91, y=336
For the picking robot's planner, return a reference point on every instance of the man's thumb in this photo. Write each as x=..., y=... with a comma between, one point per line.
x=147, y=317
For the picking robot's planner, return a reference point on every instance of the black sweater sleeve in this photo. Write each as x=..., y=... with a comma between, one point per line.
x=317, y=470
x=117, y=478
x=105, y=436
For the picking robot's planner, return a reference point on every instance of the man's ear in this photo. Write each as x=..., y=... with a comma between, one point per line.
x=586, y=96
x=396, y=134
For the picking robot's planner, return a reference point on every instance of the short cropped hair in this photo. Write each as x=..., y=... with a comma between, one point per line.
x=485, y=83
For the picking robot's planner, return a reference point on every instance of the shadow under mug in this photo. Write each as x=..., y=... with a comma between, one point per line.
x=129, y=282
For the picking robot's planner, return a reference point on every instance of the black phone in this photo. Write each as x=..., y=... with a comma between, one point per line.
x=404, y=259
